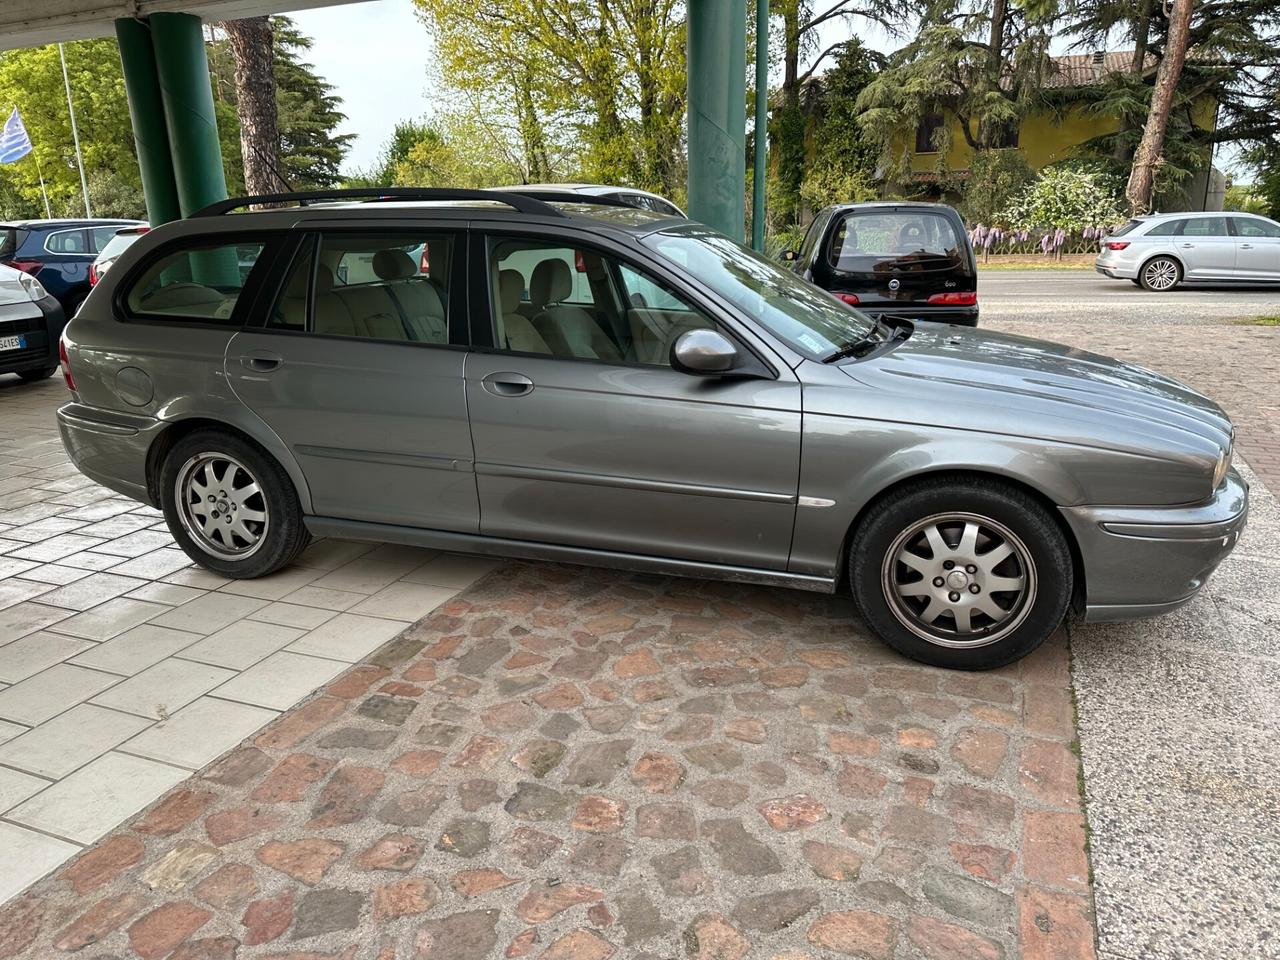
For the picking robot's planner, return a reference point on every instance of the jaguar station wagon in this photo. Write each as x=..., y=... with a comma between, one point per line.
x=569, y=379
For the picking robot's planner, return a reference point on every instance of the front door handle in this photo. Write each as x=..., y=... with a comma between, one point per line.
x=1188, y=244
x=506, y=384
x=1246, y=246
x=261, y=362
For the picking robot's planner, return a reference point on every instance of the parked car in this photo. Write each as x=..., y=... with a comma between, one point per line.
x=31, y=322
x=58, y=253
x=645, y=408
x=1161, y=251
x=120, y=241
x=641, y=199
x=907, y=259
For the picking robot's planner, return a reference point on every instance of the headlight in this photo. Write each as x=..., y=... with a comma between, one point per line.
x=1220, y=471
x=35, y=289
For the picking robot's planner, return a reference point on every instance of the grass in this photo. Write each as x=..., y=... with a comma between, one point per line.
x=1015, y=261
x=1265, y=321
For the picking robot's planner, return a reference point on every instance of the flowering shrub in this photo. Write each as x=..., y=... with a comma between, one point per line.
x=1067, y=210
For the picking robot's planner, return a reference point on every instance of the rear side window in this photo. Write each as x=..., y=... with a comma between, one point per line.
x=383, y=286
x=863, y=242
x=11, y=238
x=68, y=242
x=199, y=283
x=1127, y=228
x=1205, y=227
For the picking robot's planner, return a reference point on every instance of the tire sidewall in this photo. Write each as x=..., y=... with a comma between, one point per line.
x=285, y=534
x=1022, y=514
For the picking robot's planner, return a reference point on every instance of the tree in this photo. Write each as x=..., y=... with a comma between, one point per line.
x=995, y=178
x=253, y=47
x=1147, y=158
x=608, y=73
x=982, y=63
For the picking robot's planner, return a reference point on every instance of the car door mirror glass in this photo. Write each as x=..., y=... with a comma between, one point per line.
x=705, y=353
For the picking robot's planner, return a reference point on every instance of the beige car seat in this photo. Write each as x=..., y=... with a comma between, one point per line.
x=569, y=330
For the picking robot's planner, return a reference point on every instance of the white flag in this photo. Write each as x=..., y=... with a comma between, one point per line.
x=14, y=142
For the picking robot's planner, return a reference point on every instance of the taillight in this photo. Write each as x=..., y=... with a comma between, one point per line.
x=850, y=298
x=93, y=274
x=1116, y=244
x=65, y=364
x=26, y=266
x=579, y=262
x=967, y=299
x=424, y=262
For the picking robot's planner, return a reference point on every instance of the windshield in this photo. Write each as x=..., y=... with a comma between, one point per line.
x=807, y=318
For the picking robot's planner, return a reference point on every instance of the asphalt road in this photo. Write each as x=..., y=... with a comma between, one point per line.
x=1079, y=296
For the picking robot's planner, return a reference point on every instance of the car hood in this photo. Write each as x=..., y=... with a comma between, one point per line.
x=977, y=379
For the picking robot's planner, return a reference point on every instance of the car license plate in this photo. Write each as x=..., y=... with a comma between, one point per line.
x=13, y=343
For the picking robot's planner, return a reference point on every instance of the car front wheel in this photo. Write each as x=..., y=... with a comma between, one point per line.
x=966, y=574
x=1160, y=274
x=230, y=506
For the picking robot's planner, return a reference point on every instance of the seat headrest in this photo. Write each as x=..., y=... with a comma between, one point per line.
x=393, y=265
x=551, y=282
x=510, y=290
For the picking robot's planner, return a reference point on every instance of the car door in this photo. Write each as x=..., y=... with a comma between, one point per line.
x=1207, y=248
x=357, y=366
x=1257, y=248
x=586, y=436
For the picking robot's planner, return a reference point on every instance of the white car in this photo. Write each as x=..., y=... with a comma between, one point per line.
x=632, y=197
x=1161, y=251
x=31, y=322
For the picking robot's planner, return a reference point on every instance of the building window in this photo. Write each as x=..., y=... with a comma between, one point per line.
x=930, y=124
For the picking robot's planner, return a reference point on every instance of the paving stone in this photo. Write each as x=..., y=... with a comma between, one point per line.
x=597, y=814
x=793, y=813
x=980, y=750
x=103, y=863
x=714, y=757
x=722, y=793
x=289, y=781
x=395, y=851
x=658, y=773
x=325, y=911
x=831, y=861
x=307, y=860
x=177, y=868
x=681, y=873
x=666, y=821
x=596, y=764
x=738, y=850
x=228, y=888
x=357, y=738
x=539, y=757
x=602, y=855
x=175, y=811
x=580, y=944
x=776, y=910
x=385, y=709
x=533, y=801
x=543, y=902
x=967, y=898
x=940, y=940
x=156, y=933
x=238, y=823
x=477, y=794
x=464, y=837
x=476, y=883
x=855, y=933
x=404, y=899
x=469, y=935
x=347, y=796
x=265, y=920
x=712, y=937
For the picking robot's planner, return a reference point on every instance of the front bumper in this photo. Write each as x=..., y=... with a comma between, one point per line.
x=40, y=324
x=110, y=448
x=1145, y=561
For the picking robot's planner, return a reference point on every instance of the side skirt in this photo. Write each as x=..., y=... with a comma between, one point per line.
x=527, y=550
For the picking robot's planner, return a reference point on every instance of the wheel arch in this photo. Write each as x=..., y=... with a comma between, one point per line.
x=1168, y=255
x=960, y=475
x=177, y=429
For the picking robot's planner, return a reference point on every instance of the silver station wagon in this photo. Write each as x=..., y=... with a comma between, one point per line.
x=580, y=381
x=1159, y=252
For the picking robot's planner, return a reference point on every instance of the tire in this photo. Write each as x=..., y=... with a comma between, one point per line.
x=32, y=376
x=1037, y=568
x=1160, y=274
x=265, y=531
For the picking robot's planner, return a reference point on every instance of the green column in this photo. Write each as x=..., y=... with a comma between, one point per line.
x=183, y=71
x=146, y=111
x=718, y=114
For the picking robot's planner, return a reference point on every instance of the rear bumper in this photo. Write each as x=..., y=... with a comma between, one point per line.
x=965, y=316
x=1145, y=561
x=109, y=448
x=41, y=332
x=1116, y=271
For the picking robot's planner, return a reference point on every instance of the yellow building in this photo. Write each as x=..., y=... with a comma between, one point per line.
x=1048, y=136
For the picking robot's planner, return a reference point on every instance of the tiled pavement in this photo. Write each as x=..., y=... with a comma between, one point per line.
x=570, y=764
x=123, y=668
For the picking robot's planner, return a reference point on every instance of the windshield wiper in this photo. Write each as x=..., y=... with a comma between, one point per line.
x=880, y=334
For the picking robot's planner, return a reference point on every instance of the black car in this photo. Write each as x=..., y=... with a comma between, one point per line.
x=58, y=253
x=901, y=258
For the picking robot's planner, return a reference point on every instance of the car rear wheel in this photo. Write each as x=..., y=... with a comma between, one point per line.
x=1160, y=274
x=43, y=373
x=967, y=574
x=230, y=506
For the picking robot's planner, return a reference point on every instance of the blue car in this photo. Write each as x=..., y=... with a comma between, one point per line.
x=58, y=253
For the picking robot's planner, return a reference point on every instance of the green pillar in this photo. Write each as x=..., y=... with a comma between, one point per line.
x=718, y=114
x=146, y=111
x=183, y=71
x=762, y=123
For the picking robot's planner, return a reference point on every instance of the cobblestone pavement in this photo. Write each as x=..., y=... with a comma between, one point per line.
x=123, y=668
x=567, y=763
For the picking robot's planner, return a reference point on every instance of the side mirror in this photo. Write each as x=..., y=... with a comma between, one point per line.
x=704, y=353
x=790, y=256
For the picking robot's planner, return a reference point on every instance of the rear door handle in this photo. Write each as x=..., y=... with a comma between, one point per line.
x=1188, y=244
x=1246, y=246
x=506, y=384
x=261, y=362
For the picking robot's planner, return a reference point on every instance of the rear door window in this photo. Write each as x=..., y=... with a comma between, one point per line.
x=200, y=283
x=69, y=242
x=908, y=239
x=1205, y=227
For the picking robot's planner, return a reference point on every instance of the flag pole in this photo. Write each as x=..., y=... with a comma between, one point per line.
x=48, y=214
x=75, y=134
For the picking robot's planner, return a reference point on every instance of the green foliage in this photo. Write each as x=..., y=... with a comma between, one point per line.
x=456, y=150
x=995, y=178
x=1067, y=198
x=1246, y=198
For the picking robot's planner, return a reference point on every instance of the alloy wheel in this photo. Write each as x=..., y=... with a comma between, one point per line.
x=959, y=580
x=1160, y=274
x=221, y=506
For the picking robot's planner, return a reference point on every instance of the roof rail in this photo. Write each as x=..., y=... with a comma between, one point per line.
x=565, y=196
x=521, y=202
